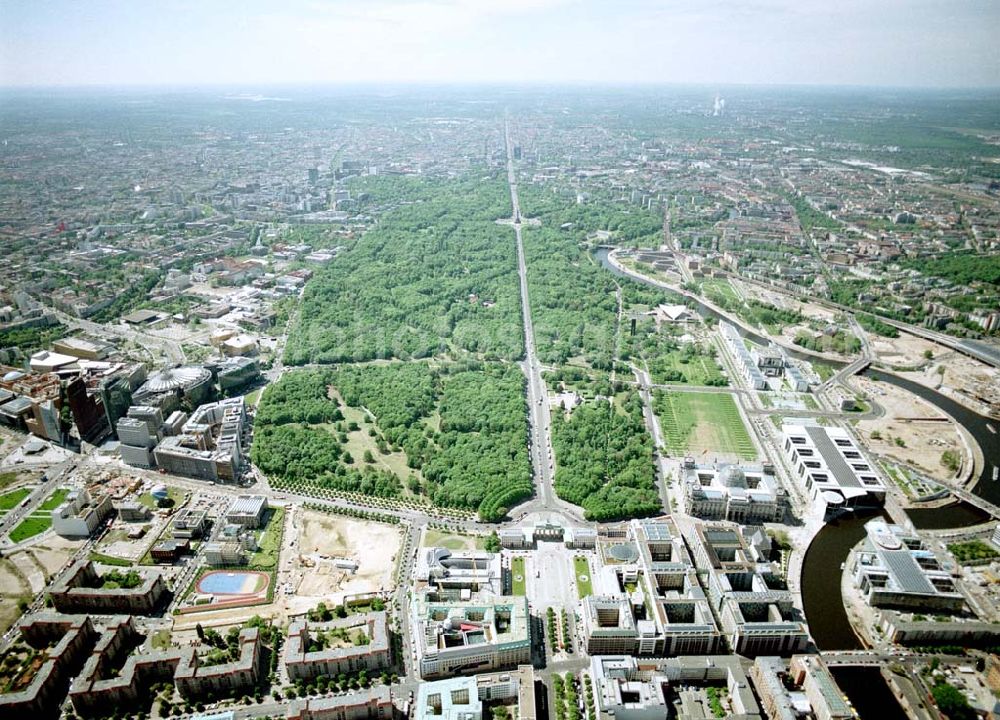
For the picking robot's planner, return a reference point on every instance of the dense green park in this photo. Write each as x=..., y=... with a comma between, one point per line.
x=435, y=275
x=604, y=458
x=573, y=303
x=462, y=428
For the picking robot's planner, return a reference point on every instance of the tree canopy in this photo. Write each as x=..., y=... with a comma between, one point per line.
x=433, y=276
x=605, y=459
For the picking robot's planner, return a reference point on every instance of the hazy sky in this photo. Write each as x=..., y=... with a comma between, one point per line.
x=865, y=42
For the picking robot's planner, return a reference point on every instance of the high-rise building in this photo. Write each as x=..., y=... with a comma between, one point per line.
x=116, y=397
x=88, y=413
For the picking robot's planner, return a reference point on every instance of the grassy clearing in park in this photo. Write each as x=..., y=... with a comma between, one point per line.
x=721, y=287
x=517, y=579
x=436, y=538
x=584, y=584
x=703, y=423
x=696, y=369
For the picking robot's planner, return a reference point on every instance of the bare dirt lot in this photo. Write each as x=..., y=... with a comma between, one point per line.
x=11, y=581
x=55, y=552
x=906, y=351
x=968, y=381
x=322, y=538
x=925, y=433
x=780, y=300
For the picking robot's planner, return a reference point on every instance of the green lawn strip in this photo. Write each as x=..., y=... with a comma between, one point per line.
x=10, y=500
x=584, y=584
x=269, y=544
x=54, y=500
x=110, y=559
x=29, y=527
x=518, y=580
x=40, y=519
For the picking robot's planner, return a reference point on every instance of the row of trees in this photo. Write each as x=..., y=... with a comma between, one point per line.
x=431, y=276
x=303, y=453
x=605, y=459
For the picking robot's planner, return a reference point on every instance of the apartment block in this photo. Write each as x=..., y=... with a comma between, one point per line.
x=800, y=687
x=64, y=643
x=115, y=677
x=349, y=658
x=374, y=703
x=194, y=680
x=462, y=698
x=79, y=591
x=629, y=688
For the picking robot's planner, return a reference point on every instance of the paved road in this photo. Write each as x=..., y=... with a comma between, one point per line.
x=862, y=657
x=540, y=433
